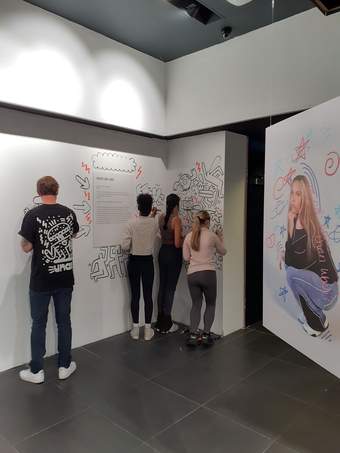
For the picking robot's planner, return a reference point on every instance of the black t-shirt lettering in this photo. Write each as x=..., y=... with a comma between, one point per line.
x=50, y=228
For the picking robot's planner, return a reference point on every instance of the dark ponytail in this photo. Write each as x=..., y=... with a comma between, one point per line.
x=172, y=201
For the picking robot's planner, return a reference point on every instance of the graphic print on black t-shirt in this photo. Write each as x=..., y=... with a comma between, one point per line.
x=55, y=236
x=50, y=229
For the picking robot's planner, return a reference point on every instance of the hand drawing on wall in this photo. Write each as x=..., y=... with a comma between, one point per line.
x=110, y=263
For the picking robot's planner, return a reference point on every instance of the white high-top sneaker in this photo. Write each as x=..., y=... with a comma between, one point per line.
x=34, y=378
x=148, y=333
x=134, y=332
x=65, y=373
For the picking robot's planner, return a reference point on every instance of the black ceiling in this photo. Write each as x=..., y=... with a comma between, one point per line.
x=160, y=29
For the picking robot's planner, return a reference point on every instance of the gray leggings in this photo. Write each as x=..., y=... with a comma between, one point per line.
x=202, y=283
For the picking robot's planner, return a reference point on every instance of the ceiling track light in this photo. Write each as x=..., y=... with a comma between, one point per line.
x=196, y=10
x=328, y=6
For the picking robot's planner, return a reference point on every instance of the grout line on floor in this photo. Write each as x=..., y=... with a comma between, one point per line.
x=70, y=417
x=249, y=428
x=174, y=423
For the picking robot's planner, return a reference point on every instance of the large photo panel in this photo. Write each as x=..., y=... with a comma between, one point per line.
x=301, y=262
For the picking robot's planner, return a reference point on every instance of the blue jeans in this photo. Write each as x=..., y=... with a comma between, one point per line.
x=318, y=295
x=39, y=302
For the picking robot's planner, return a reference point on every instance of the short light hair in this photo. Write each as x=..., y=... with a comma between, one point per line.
x=47, y=185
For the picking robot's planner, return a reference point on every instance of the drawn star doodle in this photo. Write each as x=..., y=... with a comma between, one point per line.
x=335, y=235
x=283, y=230
x=327, y=220
x=283, y=291
x=301, y=149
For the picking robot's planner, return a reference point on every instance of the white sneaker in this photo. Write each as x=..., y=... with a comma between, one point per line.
x=312, y=332
x=34, y=378
x=65, y=373
x=134, y=332
x=148, y=333
x=173, y=328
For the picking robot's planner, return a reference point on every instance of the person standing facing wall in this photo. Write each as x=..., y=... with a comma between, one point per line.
x=139, y=239
x=47, y=230
x=170, y=262
x=199, y=248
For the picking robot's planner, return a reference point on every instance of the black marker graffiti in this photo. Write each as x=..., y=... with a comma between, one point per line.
x=110, y=161
x=110, y=263
x=201, y=188
x=154, y=190
x=84, y=231
x=83, y=182
x=84, y=207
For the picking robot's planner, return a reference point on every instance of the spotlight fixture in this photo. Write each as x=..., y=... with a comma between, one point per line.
x=328, y=6
x=196, y=10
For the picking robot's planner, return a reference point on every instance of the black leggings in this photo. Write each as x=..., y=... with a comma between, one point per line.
x=170, y=265
x=203, y=282
x=141, y=268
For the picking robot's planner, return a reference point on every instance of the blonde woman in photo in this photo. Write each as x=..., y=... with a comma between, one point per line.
x=311, y=274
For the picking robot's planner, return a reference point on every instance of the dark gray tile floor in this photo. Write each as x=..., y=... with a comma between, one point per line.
x=249, y=393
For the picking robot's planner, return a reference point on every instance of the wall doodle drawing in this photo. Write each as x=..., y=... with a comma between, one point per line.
x=110, y=161
x=201, y=188
x=154, y=190
x=84, y=206
x=110, y=263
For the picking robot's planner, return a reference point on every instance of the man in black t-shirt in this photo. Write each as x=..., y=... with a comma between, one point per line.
x=48, y=230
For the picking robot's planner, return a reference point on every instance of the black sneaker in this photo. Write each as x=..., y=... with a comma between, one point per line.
x=193, y=340
x=312, y=320
x=207, y=339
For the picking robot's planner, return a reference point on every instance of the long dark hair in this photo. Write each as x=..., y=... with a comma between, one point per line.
x=172, y=201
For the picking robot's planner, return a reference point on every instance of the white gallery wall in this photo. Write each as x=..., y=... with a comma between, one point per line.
x=288, y=66
x=101, y=297
x=194, y=181
x=235, y=221
x=50, y=63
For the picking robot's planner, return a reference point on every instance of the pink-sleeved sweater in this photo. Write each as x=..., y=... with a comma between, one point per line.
x=203, y=259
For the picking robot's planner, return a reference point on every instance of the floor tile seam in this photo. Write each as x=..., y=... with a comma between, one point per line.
x=156, y=376
x=271, y=444
x=293, y=397
x=63, y=420
x=117, y=425
x=286, y=428
x=146, y=444
x=11, y=445
x=176, y=393
x=332, y=378
x=239, y=382
x=159, y=433
x=296, y=364
x=121, y=365
x=237, y=422
x=245, y=346
x=314, y=405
